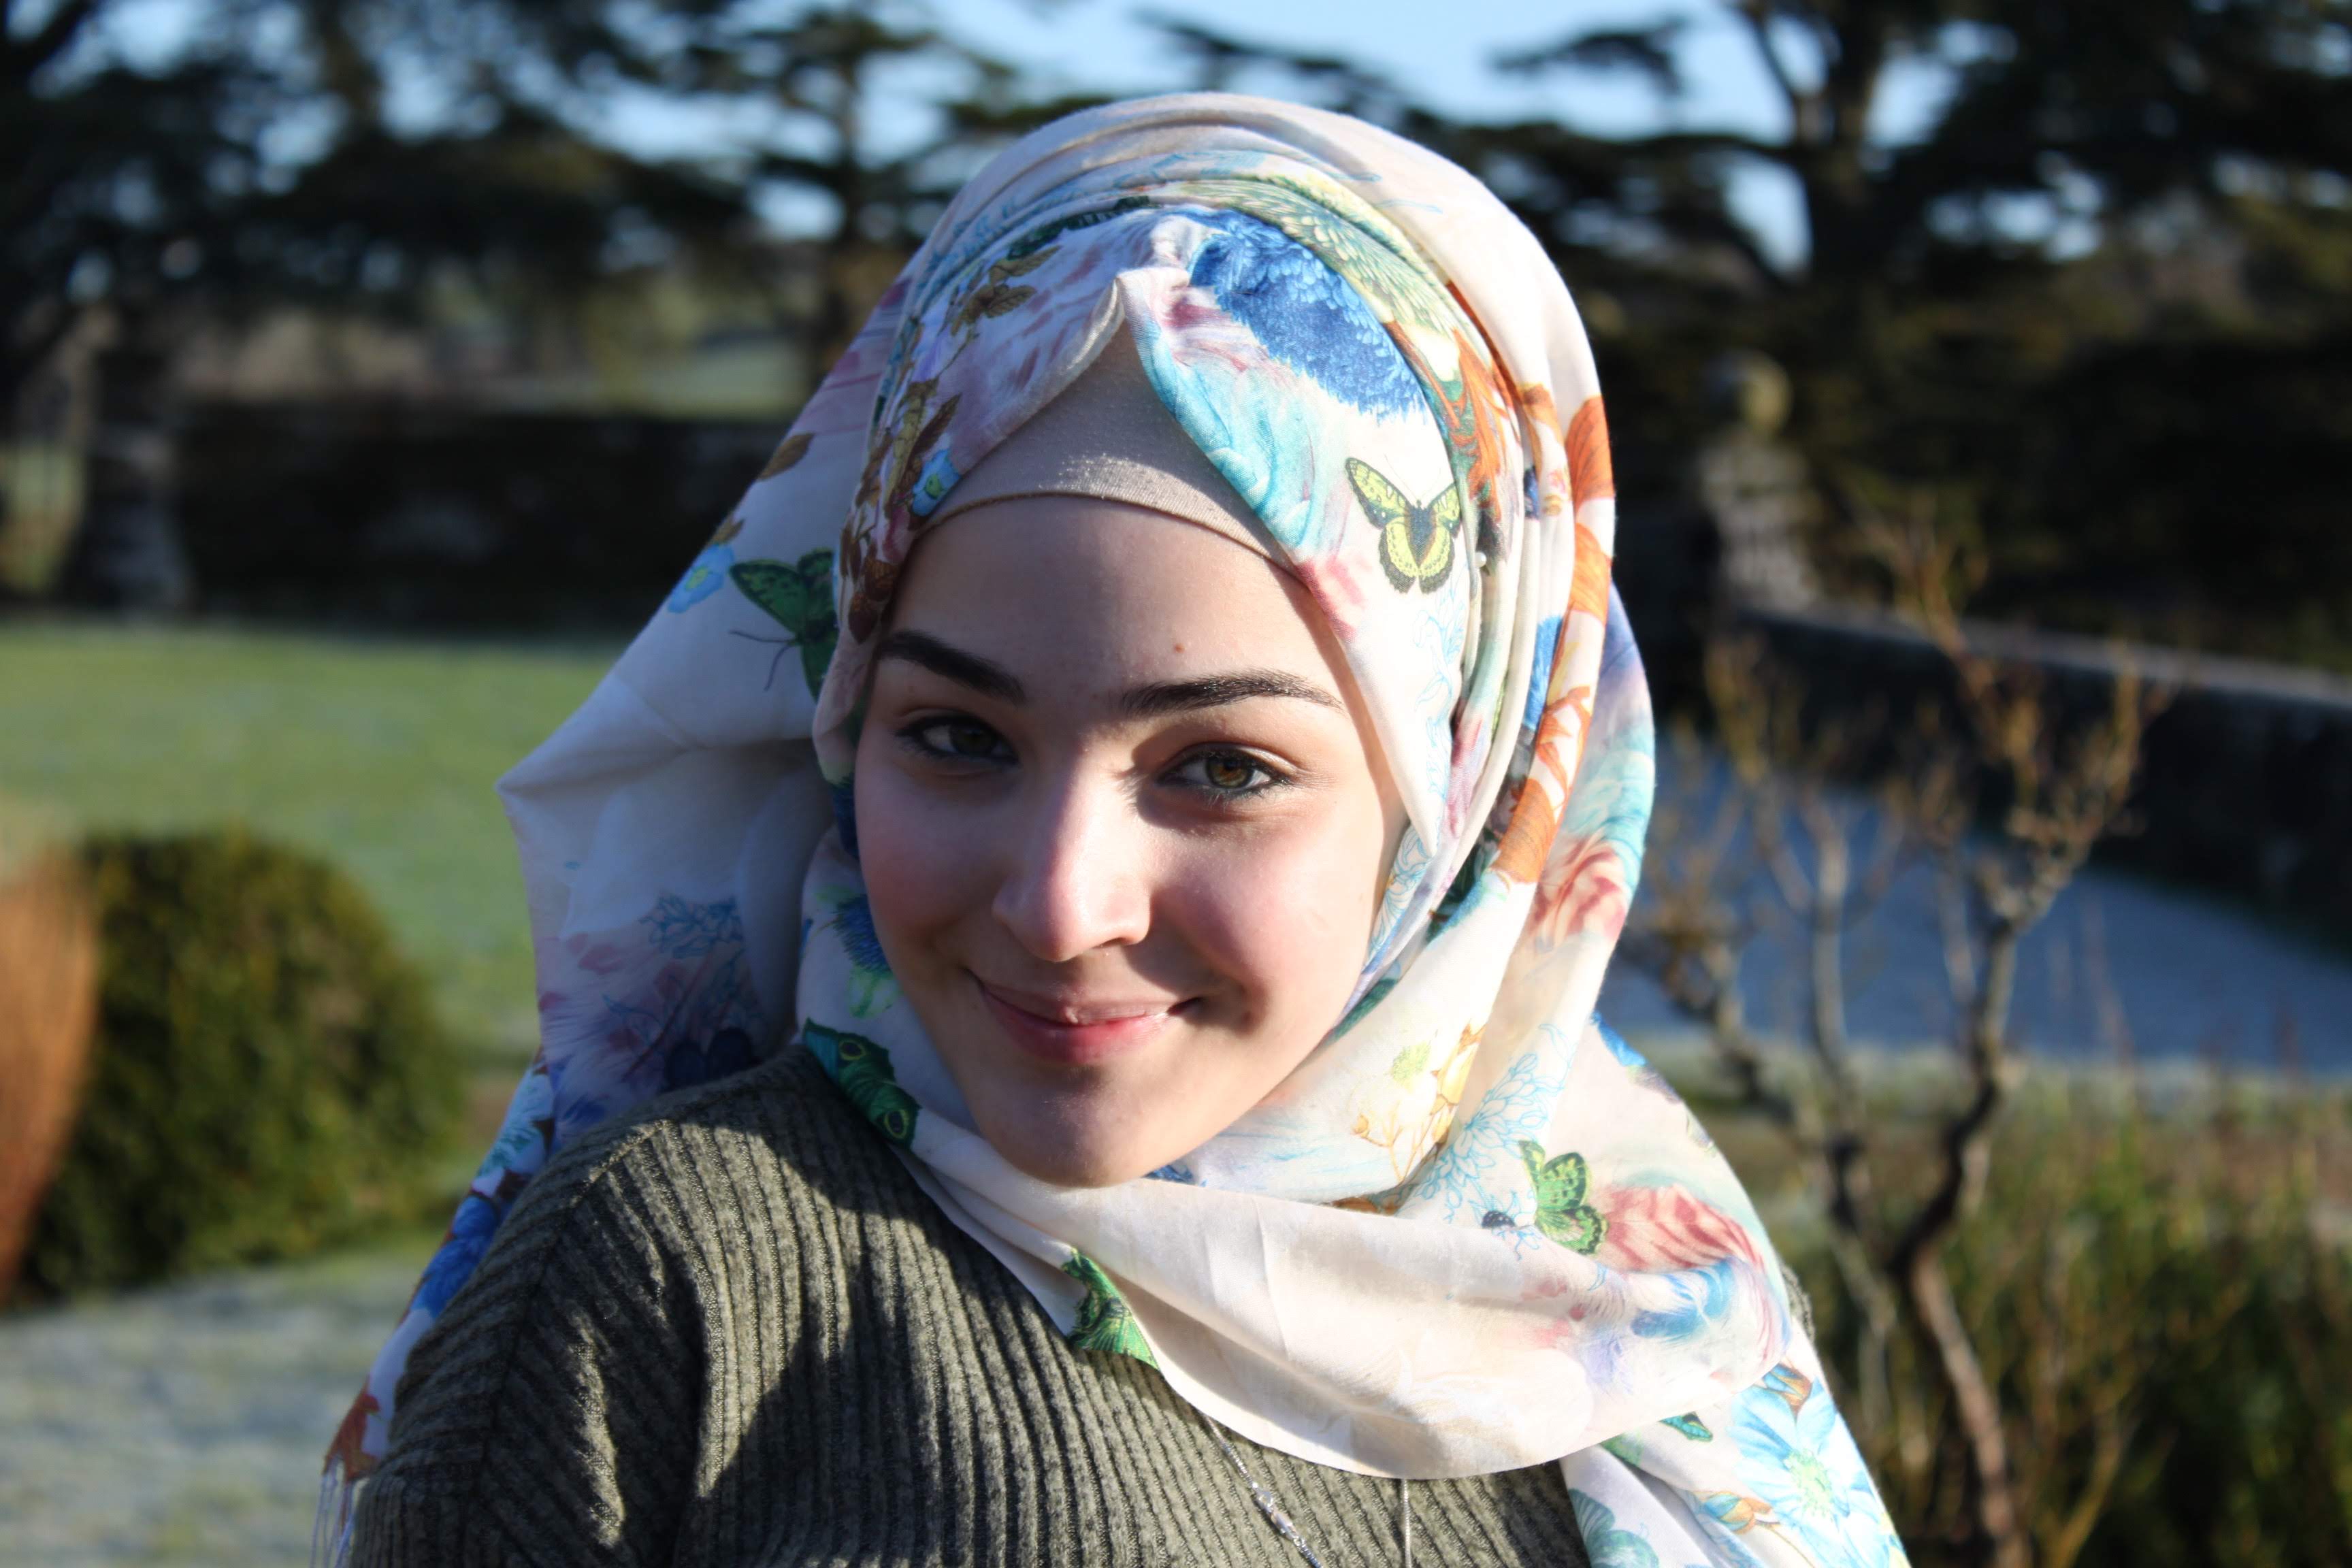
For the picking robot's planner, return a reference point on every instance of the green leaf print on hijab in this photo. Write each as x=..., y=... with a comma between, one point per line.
x=1608, y=1546
x=863, y=1071
x=1105, y=1322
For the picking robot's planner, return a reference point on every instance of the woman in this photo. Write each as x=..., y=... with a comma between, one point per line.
x=1153, y=771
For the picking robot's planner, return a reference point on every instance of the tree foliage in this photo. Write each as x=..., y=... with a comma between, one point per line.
x=259, y=162
x=350, y=152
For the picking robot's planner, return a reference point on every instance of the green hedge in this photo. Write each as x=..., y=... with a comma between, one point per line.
x=408, y=515
x=268, y=1075
x=2175, y=1290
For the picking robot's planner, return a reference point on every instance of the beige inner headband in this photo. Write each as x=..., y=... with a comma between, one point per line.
x=1109, y=436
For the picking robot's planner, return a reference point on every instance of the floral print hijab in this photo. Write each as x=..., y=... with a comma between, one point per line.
x=1472, y=1231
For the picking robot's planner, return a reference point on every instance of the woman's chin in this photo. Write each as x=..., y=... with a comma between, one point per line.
x=1073, y=1151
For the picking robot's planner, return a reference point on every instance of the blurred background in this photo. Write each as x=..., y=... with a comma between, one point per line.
x=1980, y=379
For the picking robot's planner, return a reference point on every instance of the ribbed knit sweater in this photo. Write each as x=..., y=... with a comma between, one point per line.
x=732, y=1331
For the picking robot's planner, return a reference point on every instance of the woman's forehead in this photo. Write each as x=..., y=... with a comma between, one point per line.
x=1042, y=582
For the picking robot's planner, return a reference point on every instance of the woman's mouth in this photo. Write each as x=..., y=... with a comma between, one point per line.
x=1069, y=1032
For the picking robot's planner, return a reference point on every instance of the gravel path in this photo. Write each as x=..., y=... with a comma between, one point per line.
x=184, y=1424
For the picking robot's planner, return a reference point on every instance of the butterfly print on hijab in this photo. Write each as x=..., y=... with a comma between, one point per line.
x=1416, y=541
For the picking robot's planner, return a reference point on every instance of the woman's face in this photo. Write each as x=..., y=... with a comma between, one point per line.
x=1123, y=825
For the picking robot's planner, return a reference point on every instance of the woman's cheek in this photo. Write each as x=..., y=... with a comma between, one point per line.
x=914, y=851
x=1273, y=916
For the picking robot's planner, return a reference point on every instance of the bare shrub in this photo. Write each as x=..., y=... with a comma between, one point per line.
x=2002, y=794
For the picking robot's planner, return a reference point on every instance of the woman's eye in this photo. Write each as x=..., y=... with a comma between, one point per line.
x=1230, y=773
x=962, y=740
x=1227, y=773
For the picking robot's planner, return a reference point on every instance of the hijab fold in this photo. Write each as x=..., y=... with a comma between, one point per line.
x=1472, y=1231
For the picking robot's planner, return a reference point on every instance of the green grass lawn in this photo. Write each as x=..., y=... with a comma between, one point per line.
x=380, y=753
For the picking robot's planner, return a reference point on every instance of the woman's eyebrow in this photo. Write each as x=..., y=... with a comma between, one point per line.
x=1152, y=701
x=1165, y=696
x=988, y=678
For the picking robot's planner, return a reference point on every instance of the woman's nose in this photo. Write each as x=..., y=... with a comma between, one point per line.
x=1077, y=878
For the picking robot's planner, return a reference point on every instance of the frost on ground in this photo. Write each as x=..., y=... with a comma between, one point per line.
x=184, y=1424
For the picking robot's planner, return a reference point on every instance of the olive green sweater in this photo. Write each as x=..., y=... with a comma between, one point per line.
x=732, y=1331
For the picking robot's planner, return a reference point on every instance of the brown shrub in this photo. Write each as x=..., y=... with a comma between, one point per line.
x=49, y=1008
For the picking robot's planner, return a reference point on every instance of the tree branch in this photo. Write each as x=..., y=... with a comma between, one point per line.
x=1646, y=50
x=1976, y=1407
x=1804, y=107
x=52, y=39
x=22, y=358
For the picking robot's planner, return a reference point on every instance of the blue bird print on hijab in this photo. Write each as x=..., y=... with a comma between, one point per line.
x=1307, y=315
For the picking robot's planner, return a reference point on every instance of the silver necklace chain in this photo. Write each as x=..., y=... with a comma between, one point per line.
x=1264, y=1497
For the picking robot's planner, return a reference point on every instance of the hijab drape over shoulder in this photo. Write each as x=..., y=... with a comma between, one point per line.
x=1472, y=1231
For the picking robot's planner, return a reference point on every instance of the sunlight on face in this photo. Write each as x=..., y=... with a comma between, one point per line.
x=1123, y=826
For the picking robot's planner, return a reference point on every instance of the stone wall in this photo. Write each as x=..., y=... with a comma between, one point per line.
x=2247, y=785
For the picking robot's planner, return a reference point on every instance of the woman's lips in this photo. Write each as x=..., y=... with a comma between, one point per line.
x=1076, y=1033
